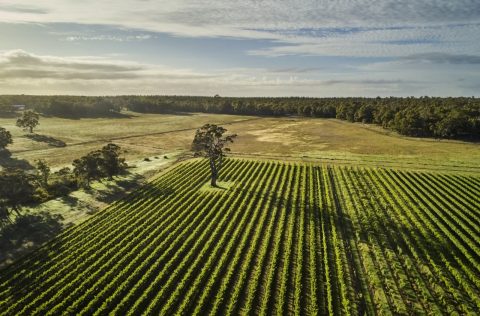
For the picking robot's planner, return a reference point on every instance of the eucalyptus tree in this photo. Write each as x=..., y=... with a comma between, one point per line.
x=210, y=143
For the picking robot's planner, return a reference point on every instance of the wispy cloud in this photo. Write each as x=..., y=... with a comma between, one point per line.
x=114, y=38
x=308, y=27
x=387, y=42
x=21, y=71
x=18, y=64
x=441, y=58
x=19, y=8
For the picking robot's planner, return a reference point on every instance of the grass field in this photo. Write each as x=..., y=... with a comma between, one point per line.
x=81, y=136
x=316, y=140
x=282, y=238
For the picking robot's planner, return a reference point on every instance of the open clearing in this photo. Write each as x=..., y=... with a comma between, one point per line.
x=81, y=136
x=317, y=140
x=283, y=238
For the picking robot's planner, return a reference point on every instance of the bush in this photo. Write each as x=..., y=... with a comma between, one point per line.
x=41, y=195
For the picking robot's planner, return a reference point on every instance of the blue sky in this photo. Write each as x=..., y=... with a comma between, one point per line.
x=250, y=48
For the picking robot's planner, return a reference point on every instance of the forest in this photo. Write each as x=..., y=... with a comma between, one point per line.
x=455, y=118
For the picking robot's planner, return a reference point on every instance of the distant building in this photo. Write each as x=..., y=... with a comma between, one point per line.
x=19, y=107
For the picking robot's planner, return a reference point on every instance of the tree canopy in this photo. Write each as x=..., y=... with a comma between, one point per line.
x=5, y=138
x=29, y=120
x=111, y=163
x=210, y=142
x=16, y=188
x=87, y=168
x=99, y=163
x=43, y=172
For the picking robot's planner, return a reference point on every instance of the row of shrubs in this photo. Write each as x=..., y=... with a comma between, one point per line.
x=19, y=187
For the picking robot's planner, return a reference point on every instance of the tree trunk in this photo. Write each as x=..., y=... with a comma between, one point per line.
x=31, y=129
x=214, y=171
x=15, y=208
x=213, y=182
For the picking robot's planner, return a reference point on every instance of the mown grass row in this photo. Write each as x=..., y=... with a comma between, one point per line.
x=287, y=238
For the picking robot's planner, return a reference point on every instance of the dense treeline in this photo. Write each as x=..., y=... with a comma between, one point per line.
x=425, y=116
x=63, y=106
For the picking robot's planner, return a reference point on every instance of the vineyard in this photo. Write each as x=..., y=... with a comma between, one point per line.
x=284, y=238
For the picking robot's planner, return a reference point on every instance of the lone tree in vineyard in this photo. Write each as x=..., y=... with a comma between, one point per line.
x=28, y=120
x=209, y=142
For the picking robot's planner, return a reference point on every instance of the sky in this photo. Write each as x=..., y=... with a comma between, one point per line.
x=314, y=48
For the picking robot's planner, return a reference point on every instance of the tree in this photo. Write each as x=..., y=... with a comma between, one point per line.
x=28, y=120
x=4, y=216
x=87, y=168
x=209, y=142
x=5, y=138
x=16, y=188
x=44, y=172
x=454, y=124
x=111, y=163
x=62, y=182
x=364, y=114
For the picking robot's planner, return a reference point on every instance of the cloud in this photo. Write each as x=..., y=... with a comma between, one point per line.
x=16, y=8
x=113, y=38
x=25, y=72
x=294, y=70
x=18, y=64
x=441, y=58
x=362, y=28
x=386, y=42
x=366, y=82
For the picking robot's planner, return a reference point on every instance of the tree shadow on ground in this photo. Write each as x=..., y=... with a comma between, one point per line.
x=117, y=188
x=78, y=116
x=380, y=228
x=51, y=141
x=166, y=112
x=181, y=113
x=395, y=242
x=70, y=200
x=26, y=232
x=7, y=161
x=44, y=227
